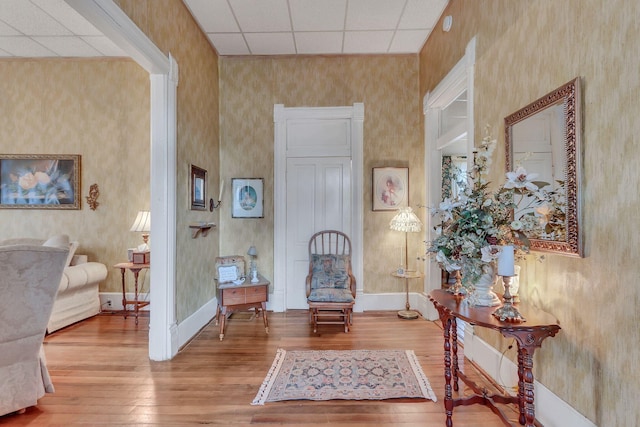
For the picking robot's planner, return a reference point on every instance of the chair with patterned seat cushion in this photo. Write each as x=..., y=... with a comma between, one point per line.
x=331, y=286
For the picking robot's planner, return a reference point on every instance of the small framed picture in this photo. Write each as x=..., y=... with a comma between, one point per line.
x=198, y=188
x=248, y=199
x=390, y=188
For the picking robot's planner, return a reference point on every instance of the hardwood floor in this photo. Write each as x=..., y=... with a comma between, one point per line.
x=103, y=377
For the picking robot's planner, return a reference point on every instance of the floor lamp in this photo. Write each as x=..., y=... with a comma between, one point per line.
x=407, y=222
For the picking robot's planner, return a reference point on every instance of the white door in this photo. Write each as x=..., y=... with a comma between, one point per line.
x=318, y=198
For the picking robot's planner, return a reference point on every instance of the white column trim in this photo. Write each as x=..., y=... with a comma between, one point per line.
x=115, y=24
x=460, y=78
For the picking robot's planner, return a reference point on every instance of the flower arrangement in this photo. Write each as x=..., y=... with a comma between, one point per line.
x=477, y=220
x=35, y=186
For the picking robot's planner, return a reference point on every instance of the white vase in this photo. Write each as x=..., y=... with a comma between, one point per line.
x=483, y=295
x=515, y=284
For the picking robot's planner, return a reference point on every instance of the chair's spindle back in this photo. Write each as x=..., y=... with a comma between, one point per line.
x=330, y=242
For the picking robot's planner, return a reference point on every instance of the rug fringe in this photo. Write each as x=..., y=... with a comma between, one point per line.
x=261, y=397
x=425, y=386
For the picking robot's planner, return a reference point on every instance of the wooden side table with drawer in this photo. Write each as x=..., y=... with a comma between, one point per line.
x=233, y=297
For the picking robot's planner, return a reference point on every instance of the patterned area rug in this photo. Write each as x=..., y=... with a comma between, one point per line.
x=348, y=374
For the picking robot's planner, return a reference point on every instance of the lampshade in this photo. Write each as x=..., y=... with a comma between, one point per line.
x=142, y=224
x=405, y=220
x=252, y=251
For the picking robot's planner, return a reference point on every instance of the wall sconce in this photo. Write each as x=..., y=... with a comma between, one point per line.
x=212, y=204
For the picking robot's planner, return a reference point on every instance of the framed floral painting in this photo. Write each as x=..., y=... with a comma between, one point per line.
x=390, y=188
x=40, y=181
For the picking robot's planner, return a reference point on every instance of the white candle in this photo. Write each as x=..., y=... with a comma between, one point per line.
x=506, y=261
x=221, y=188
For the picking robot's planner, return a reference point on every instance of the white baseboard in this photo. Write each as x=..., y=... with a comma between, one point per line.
x=551, y=411
x=189, y=327
x=116, y=301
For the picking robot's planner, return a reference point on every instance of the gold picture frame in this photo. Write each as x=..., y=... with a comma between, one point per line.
x=40, y=181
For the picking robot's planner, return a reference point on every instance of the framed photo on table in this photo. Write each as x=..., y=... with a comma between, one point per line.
x=248, y=198
x=198, y=188
x=390, y=190
x=40, y=181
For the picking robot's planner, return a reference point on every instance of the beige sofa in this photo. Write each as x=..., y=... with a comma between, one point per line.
x=78, y=294
x=29, y=279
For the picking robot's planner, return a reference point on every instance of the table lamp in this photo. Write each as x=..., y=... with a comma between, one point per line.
x=253, y=266
x=406, y=221
x=142, y=224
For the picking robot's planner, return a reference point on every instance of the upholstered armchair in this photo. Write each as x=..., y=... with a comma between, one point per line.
x=29, y=279
x=331, y=286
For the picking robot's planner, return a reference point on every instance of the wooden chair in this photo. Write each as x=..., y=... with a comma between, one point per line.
x=331, y=286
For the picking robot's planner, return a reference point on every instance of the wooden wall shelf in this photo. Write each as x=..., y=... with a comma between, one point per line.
x=201, y=228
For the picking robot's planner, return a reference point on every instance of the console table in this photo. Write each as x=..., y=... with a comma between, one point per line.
x=137, y=304
x=233, y=297
x=528, y=335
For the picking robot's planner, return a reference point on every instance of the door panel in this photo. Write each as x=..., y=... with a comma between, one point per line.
x=318, y=198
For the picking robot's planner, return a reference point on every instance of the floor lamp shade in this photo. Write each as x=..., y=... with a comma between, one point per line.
x=406, y=221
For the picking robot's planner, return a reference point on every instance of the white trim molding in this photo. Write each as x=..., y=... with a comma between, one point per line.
x=106, y=16
x=280, y=116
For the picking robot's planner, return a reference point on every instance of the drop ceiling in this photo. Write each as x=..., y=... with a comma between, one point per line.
x=52, y=28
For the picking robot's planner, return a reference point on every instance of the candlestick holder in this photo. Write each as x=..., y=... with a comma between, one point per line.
x=457, y=289
x=508, y=313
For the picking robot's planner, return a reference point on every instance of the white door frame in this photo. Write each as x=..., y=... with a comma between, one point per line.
x=459, y=79
x=280, y=116
x=115, y=24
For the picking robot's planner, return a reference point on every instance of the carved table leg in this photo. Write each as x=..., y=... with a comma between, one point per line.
x=529, y=407
x=124, y=293
x=448, y=398
x=521, y=419
x=454, y=339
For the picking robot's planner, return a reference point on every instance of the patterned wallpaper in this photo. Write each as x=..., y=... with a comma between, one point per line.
x=388, y=87
x=526, y=49
x=100, y=110
x=170, y=25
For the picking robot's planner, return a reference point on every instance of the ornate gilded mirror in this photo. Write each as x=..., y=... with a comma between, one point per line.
x=544, y=138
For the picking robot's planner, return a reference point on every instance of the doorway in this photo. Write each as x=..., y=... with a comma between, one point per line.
x=318, y=185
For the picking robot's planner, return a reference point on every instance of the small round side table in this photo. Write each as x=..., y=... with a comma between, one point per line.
x=407, y=313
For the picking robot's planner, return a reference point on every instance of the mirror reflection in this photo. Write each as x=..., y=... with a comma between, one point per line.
x=543, y=138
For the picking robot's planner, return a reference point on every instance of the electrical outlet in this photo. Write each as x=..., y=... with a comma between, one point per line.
x=108, y=303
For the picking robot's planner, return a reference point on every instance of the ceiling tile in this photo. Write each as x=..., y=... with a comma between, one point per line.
x=271, y=43
x=421, y=14
x=6, y=30
x=214, y=16
x=408, y=41
x=67, y=16
x=30, y=19
x=373, y=14
x=229, y=44
x=256, y=16
x=67, y=46
x=104, y=45
x=24, y=47
x=319, y=42
x=367, y=41
x=314, y=15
